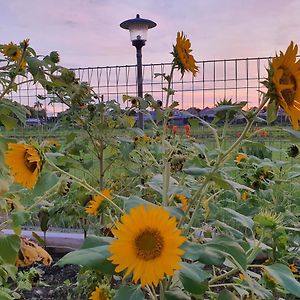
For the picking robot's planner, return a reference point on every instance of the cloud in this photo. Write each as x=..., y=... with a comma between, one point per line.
x=87, y=32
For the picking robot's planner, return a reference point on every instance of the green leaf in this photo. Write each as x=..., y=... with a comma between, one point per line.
x=92, y=258
x=134, y=201
x=128, y=292
x=230, y=249
x=19, y=217
x=176, y=294
x=272, y=109
x=232, y=231
x=295, y=135
x=96, y=241
x=9, y=248
x=244, y=220
x=8, y=122
x=5, y=296
x=193, y=278
x=197, y=171
x=204, y=253
x=194, y=123
x=46, y=181
x=226, y=295
x=283, y=275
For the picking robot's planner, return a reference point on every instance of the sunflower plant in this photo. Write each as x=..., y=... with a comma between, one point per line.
x=173, y=213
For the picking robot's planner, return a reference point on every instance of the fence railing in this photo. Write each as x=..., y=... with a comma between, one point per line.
x=239, y=79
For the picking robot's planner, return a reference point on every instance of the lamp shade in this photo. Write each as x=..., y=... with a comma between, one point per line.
x=138, y=28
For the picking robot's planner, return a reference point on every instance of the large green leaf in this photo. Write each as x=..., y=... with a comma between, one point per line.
x=129, y=292
x=193, y=278
x=96, y=241
x=283, y=275
x=226, y=295
x=231, y=249
x=204, y=253
x=92, y=258
x=244, y=220
x=46, y=181
x=8, y=122
x=9, y=248
x=295, y=135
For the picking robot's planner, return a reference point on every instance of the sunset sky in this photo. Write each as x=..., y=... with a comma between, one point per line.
x=87, y=32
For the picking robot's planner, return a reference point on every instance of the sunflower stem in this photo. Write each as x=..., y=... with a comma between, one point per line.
x=166, y=170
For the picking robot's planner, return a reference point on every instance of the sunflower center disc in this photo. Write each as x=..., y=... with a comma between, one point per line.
x=30, y=165
x=149, y=244
x=288, y=94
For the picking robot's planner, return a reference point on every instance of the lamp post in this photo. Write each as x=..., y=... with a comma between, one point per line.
x=138, y=29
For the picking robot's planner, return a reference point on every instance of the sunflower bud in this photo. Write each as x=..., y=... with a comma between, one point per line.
x=54, y=57
x=293, y=151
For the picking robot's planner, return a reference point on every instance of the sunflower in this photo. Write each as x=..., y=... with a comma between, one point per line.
x=184, y=201
x=284, y=83
x=147, y=244
x=244, y=196
x=99, y=294
x=96, y=202
x=182, y=57
x=25, y=163
x=293, y=268
x=12, y=51
x=240, y=157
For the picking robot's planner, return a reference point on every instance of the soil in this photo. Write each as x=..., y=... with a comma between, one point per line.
x=52, y=282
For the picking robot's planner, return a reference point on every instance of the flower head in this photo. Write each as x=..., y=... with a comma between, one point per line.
x=244, y=196
x=12, y=51
x=293, y=268
x=99, y=294
x=240, y=157
x=25, y=163
x=184, y=201
x=283, y=83
x=147, y=244
x=187, y=128
x=96, y=202
x=183, y=60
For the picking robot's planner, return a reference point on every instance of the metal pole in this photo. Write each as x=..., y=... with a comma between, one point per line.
x=138, y=45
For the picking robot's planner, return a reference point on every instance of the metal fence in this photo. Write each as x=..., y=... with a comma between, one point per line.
x=239, y=79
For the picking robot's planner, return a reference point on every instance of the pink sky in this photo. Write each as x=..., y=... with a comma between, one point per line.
x=87, y=32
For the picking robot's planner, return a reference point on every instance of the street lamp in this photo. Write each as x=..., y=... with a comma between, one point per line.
x=138, y=29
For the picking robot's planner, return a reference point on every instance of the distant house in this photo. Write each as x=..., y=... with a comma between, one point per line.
x=33, y=122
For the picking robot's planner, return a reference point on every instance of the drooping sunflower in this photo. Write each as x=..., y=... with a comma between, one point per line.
x=12, y=51
x=147, y=244
x=183, y=60
x=25, y=163
x=283, y=83
x=99, y=294
x=96, y=202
